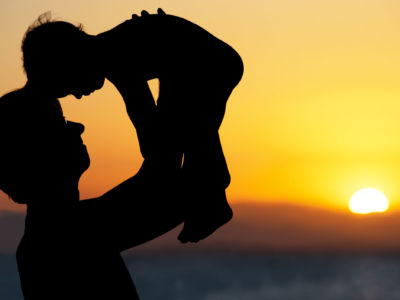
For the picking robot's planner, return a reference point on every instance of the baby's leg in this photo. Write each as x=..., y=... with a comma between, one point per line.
x=169, y=120
x=191, y=119
x=204, y=168
x=204, y=157
x=195, y=107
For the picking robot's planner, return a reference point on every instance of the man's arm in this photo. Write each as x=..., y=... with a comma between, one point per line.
x=146, y=205
x=136, y=211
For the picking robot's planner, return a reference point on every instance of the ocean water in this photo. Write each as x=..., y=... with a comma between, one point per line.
x=236, y=276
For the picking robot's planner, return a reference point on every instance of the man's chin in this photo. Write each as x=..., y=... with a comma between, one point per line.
x=86, y=161
x=85, y=166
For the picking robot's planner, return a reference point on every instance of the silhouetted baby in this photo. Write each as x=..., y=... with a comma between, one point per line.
x=197, y=73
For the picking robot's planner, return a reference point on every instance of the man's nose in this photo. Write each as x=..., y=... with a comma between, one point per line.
x=76, y=127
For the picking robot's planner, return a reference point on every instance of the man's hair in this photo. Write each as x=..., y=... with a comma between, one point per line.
x=12, y=113
x=46, y=43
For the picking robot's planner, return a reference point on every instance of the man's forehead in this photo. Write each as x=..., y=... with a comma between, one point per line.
x=50, y=106
x=48, y=111
x=25, y=109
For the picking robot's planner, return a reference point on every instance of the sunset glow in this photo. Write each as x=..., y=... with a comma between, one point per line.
x=315, y=117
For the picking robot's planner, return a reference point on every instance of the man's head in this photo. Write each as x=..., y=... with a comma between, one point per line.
x=61, y=59
x=40, y=152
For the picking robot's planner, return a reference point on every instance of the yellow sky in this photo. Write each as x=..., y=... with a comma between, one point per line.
x=313, y=120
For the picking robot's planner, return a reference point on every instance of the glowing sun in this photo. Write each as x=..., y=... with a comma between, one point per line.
x=367, y=201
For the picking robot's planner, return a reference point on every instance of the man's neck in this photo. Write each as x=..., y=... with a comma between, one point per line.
x=52, y=202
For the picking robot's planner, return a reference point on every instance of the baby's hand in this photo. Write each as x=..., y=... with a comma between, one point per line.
x=161, y=12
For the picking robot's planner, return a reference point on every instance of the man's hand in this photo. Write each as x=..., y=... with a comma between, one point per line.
x=145, y=13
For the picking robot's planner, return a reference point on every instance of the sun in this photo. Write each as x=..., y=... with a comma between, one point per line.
x=368, y=200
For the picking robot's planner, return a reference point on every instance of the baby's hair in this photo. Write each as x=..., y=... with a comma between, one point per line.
x=45, y=42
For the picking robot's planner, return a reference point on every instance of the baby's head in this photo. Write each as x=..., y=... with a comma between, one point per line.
x=61, y=59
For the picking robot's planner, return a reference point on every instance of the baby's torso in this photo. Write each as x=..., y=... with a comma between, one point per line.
x=164, y=46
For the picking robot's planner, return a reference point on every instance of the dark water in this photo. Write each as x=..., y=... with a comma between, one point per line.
x=249, y=277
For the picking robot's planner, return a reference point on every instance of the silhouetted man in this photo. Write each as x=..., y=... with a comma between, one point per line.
x=70, y=248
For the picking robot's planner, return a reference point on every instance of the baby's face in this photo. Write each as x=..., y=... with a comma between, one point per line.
x=78, y=74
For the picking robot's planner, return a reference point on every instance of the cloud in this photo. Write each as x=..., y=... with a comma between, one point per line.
x=266, y=228
x=294, y=228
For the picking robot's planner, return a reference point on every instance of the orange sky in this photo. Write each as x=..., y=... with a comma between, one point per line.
x=313, y=120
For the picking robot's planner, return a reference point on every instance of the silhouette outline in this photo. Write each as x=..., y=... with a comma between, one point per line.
x=89, y=235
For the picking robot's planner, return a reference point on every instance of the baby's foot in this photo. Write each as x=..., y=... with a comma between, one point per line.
x=206, y=218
